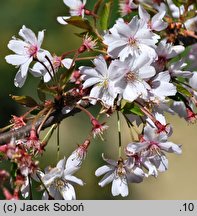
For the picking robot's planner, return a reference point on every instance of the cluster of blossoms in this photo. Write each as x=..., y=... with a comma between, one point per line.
x=141, y=73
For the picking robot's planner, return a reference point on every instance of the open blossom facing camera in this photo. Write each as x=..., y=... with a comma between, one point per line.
x=120, y=175
x=58, y=182
x=131, y=77
x=26, y=50
x=100, y=78
x=133, y=38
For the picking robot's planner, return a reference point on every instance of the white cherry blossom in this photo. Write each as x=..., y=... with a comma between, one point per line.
x=120, y=175
x=139, y=161
x=130, y=77
x=76, y=7
x=176, y=69
x=77, y=157
x=155, y=23
x=26, y=50
x=166, y=51
x=153, y=146
x=39, y=70
x=58, y=182
x=160, y=124
x=161, y=87
x=133, y=38
x=100, y=78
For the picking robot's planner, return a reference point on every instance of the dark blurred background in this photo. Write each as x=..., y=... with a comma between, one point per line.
x=179, y=182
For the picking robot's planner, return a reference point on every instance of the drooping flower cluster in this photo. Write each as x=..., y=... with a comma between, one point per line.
x=145, y=155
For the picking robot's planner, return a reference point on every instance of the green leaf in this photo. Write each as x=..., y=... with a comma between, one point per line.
x=105, y=15
x=183, y=90
x=79, y=22
x=133, y=108
x=97, y=6
x=25, y=100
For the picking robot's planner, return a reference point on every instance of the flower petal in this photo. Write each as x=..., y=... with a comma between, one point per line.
x=68, y=192
x=16, y=59
x=17, y=46
x=143, y=14
x=91, y=81
x=55, y=193
x=19, y=80
x=50, y=177
x=28, y=35
x=120, y=187
x=25, y=188
x=101, y=65
x=61, y=164
x=74, y=179
x=73, y=4
x=62, y=19
x=104, y=169
x=107, y=178
x=161, y=162
x=134, y=148
x=170, y=147
x=133, y=178
x=67, y=62
x=40, y=38
x=151, y=168
x=95, y=93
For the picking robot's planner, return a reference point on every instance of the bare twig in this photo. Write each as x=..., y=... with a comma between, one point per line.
x=22, y=132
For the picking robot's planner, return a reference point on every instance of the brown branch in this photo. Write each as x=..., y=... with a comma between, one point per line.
x=22, y=132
